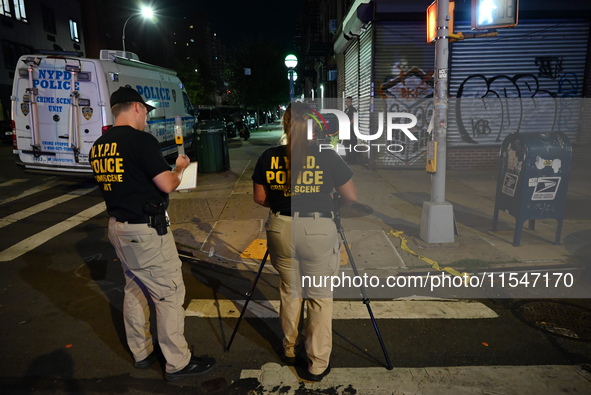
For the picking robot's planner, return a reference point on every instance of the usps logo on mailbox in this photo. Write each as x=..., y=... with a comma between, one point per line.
x=546, y=188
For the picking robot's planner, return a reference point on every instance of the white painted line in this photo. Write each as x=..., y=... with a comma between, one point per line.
x=536, y=379
x=240, y=177
x=13, y=182
x=34, y=241
x=32, y=191
x=396, y=251
x=12, y=218
x=389, y=309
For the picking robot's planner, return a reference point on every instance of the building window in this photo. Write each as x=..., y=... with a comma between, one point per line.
x=12, y=51
x=74, y=31
x=48, y=19
x=5, y=8
x=16, y=10
x=19, y=10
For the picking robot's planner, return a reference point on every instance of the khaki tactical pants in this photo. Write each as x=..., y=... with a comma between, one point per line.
x=152, y=270
x=305, y=247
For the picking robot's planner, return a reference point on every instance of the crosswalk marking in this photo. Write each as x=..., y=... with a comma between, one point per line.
x=12, y=218
x=384, y=309
x=535, y=379
x=32, y=191
x=13, y=182
x=34, y=241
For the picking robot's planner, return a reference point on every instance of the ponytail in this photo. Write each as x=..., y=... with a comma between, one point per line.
x=295, y=125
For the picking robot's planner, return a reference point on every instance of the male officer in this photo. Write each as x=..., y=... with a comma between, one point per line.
x=135, y=181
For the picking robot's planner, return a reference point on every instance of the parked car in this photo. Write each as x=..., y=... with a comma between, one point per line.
x=236, y=119
x=209, y=118
x=227, y=114
x=251, y=117
x=6, y=131
x=266, y=117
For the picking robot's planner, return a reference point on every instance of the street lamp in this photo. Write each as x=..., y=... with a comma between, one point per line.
x=291, y=62
x=146, y=12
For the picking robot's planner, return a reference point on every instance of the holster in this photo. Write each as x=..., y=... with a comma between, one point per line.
x=157, y=216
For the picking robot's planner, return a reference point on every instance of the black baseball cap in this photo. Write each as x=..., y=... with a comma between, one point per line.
x=127, y=94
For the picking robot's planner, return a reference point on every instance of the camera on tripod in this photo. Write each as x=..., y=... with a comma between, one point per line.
x=157, y=216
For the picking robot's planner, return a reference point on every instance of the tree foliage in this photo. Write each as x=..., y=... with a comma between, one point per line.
x=198, y=80
x=267, y=85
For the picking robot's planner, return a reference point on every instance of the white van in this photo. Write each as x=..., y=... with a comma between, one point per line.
x=60, y=106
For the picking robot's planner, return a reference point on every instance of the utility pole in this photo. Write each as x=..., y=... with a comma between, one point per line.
x=437, y=220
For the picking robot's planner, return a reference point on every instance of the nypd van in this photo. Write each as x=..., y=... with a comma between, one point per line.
x=60, y=106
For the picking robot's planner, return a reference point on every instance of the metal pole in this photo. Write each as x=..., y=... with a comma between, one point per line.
x=440, y=101
x=437, y=222
x=366, y=301
x=124, y=26
x=291, y=88
x=248, y=296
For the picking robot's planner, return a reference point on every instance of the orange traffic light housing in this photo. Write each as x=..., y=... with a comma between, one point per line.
x=432, y=21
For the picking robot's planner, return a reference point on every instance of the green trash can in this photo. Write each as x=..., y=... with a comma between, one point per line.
x=211, y=149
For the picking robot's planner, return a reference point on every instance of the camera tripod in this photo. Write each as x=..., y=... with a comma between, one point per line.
x=366, y=301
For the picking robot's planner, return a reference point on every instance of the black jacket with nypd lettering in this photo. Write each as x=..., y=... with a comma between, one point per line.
x=311, y=189
x=124, y=161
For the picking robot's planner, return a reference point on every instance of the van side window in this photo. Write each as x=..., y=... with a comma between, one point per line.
x=187, y=103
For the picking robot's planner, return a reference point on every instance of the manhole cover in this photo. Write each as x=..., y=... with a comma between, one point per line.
x=557, y=318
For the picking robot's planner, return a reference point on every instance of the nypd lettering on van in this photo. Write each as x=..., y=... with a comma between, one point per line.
x=61, y=106
x=54, y=79
x=160, y=96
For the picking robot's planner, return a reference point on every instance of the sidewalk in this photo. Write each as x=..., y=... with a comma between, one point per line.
x=219, y=223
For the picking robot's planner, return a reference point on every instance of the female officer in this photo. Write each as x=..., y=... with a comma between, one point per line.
x=296, y=181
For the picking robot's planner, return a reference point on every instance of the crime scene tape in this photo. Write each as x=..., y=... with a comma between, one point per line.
x=404, y=245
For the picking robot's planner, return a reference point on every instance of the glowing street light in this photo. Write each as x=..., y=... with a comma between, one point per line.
x=146, y=12
x=291, y=61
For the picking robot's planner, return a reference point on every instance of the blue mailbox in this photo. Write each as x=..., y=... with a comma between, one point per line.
x=532, y=182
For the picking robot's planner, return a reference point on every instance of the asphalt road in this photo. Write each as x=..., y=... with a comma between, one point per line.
x=61, y=320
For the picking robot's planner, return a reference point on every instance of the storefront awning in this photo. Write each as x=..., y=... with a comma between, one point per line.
x=359, y=14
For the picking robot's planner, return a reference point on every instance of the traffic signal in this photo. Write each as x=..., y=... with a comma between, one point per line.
x=492, y=14
x=432, y=21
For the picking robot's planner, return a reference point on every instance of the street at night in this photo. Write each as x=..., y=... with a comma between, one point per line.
x=456, y=133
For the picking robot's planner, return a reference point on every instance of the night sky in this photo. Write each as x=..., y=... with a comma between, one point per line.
x=237, y=22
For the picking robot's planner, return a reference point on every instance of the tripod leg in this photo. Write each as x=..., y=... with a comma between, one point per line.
x=248, y=296
x=366, y=301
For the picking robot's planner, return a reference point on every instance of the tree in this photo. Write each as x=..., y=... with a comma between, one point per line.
x=198, y=81
x=266, y=86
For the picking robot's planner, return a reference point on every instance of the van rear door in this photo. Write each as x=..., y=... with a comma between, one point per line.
x=57, y=113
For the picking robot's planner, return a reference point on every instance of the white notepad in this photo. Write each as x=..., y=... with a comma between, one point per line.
x=189, y=180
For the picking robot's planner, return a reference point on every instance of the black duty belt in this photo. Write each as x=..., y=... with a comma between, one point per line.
x=141, y=220
x=306, y=214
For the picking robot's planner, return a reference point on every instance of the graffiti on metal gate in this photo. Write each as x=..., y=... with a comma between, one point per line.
x=489, y=108
x=409, y=92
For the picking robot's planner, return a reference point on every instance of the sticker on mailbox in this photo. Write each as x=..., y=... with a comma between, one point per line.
x=509, y=184
x=546, y=188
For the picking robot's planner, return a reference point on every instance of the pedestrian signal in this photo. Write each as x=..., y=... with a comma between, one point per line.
x=492, y=14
